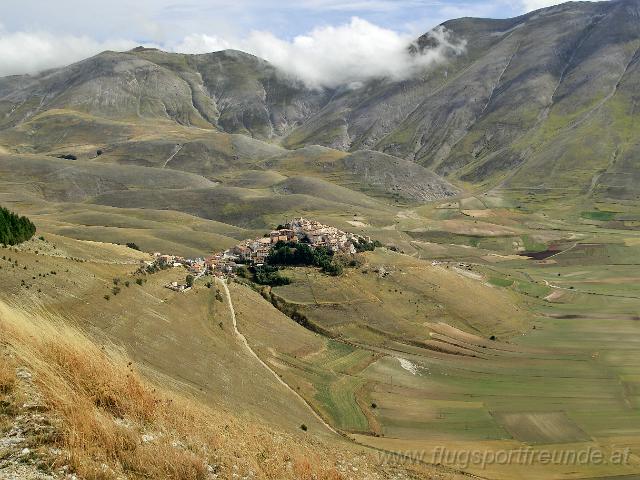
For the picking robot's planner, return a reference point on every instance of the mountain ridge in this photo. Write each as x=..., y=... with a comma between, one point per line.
x=508, y=104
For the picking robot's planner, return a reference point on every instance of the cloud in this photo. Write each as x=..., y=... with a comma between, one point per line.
x=332, y=56
x=202, y=43
x=31, y=52
x=327, y=56
x=530, y=5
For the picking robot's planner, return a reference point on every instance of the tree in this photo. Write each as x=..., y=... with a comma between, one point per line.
x=14, y=229
x=189, y=280
x=299, y=254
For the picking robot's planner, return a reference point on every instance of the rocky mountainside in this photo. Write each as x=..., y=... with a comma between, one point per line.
x=544, y=100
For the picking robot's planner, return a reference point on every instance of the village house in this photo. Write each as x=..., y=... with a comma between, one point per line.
x=177, y=287
x=283, y=235
x=319, y=235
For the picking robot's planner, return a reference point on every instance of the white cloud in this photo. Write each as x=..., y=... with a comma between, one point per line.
x=530, y=5
x=202, y=43
x=334, y=55
x=327, y=56
x=31, y=52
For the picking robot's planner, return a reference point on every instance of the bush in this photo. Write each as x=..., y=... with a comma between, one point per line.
x=363, y=246
x=115, y=291
x=139, y=281
x=332, y=268
x=133, y=246
x=303, y=427
x=189, y=280
x=107, y=297
x=243, y=272
x=270, y=275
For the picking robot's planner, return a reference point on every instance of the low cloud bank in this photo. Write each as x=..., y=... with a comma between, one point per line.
x=333, y=56
x=326, y=57
x=32, y=52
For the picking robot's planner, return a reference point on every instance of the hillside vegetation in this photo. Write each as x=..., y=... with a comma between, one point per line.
x=103, y=420
x=14, y=229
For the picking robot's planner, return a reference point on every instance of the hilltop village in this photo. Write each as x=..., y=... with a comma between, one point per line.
x=254, y=252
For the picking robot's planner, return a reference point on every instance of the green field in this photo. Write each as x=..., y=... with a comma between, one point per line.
x=561, y=373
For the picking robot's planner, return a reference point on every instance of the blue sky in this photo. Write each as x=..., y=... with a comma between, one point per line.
x=37, y=34
x=169, y=20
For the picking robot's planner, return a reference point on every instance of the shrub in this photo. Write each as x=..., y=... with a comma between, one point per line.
x=303, y=427
x=107, y=297
x=189, y=280
x=363, y=246
x=133, y=246
x=243, y=271
x=139, y=281
x=270, y=275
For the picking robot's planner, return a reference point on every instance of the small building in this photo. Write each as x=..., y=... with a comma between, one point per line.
x=177, y=287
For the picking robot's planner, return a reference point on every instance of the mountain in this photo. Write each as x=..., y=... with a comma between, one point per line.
x=545, y=100
x=542, y=100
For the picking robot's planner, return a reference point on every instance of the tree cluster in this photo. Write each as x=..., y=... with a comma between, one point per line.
x=363, y=246
x=301, y=254
x=14, y=229
x=269, y=275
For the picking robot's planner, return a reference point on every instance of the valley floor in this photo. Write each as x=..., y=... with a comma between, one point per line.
x=499, y=325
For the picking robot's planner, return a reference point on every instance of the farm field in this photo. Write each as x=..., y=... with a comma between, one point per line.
x=493, y=322
x=419, y=368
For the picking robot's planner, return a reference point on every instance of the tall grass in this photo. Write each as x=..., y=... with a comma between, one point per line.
x=114, y=423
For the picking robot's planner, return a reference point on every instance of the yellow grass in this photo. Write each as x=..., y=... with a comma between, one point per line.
x=113, y=423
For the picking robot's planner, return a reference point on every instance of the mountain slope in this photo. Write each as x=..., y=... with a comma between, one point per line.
x=543, y=100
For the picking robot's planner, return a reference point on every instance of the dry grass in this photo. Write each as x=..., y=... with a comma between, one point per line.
x=7, y=376
x=113, y=423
